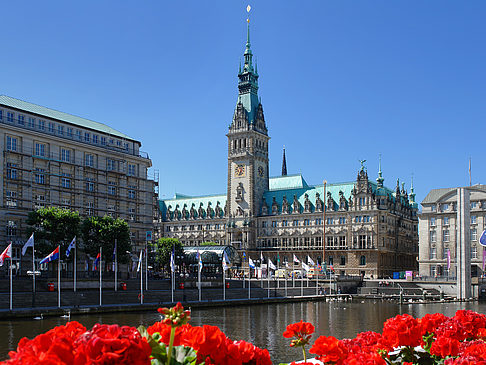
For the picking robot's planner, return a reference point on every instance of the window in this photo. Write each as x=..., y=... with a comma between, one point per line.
x=445, y=235
x=131, y=194
x=474, y=205
x=318, y=221
x=433, y=252
x=329, y=221
x=40, y=149
x=78, y=134
x=285, y=223
x=39, y=176
x=295, y=223
x=95, y=138
x=474, y=234
x=118, y=143
x=112, y=141
x=66, y=181
x=39, y=201
x=126, y=146
x=131, y=214
x=343, y=260
x=331, y=260
x=21, y=119
x=86, y=137
x=362, y=201
x=366, y=218
x=264, y=224
x=103, y=141
x=342, y=220
x=65, y=155
x=362, y=260
x=357, y=219
x=111, y=188
x=432, y=222
x=42, y=124
x=111, y=210
x=50, y=127
x=445, y=207
x=306, y=222
x=1, y=114
x=274, y=223
x=66, y=202
x=69, y=132
x=89, y=184
x=11, y=143
x=446, y=221
x=11, y=171
x=474, y=219
x=433, y=236
x=11, y=198
x=342, y=241
x=11, y=228
x=10, y=116
x=474, y=252
x=89, y=208
x=131, y=170
x=89, y=160
x=110, y=164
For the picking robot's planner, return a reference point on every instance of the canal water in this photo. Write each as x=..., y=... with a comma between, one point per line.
x=261, y=324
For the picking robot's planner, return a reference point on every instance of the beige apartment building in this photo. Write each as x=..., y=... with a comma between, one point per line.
x=51, y=158
x=438, y=231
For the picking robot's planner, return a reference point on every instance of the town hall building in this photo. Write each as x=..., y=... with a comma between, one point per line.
x=359, y=227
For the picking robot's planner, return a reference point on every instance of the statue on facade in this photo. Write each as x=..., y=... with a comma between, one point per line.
x=274, y=206
x=200, y=211
x=218, y=210
x=285, y=205
x=168, y=214
x=307, y=204
x=296, y=205
x=209, y=211
x=184, y=211
x=318, y=202
x=192, y=212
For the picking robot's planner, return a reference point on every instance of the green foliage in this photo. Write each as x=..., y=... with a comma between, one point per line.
x=101, y=232
x=181, y=355
x=209, y=244
x=162, y=250
x=53, y=226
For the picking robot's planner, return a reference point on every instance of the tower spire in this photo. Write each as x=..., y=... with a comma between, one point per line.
x=412, y=194
x=380, y=178
x=284, y=164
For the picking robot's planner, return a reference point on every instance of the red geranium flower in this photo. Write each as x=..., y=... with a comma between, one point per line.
x=302, y=331
x=112, y=344
x=329, y=349
x=402, y=330
x=56, y=346
x=430, y=322
x=445, y=346
x=165, y=329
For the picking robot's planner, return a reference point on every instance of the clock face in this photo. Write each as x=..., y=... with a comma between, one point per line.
x=240, y=170
x=260, y=171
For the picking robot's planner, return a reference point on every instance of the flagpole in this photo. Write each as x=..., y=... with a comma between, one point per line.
x=172, y=284
x=101, y=264
x=141, y=279
x=301, y=279
x=59, y=279
x=293, y=271
x=146, y=266
x=316, y=270
x=116, y=267
x=224, y=284
x=11, y=287
x=261, y=269
x=75, y=252
x=33, y=270
x=249, y=278
x=199, y=278
x=268, y=278
x=285, y=276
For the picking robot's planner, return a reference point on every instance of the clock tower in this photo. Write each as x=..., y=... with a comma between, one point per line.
x=247, y=153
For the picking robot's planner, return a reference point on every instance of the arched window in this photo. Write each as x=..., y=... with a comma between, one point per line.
x=362, y=260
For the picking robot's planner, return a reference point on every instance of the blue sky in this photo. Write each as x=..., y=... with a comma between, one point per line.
x=339, y=80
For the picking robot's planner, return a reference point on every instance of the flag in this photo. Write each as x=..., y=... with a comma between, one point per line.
x=287, y=265
x=172, y=261
x=86, y=265
x=225, y=264
x=482, y=239
x=310, y=261
x=261, y=259
x=140, y=261
x=305, y=266
x=114, y=258
x=54, y=255
x=271, y=265
x=6, y=254
x=29, y=243
x=71, y=246
x=251, y=263
x=199, y=261
x=296, y=260
x=97, y=260
x=226, y=258
x=448, y=259
x=331, y=268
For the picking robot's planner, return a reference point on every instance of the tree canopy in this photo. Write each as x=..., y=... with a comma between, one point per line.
x=101, y=232
x=53, y=226
x=162, y=250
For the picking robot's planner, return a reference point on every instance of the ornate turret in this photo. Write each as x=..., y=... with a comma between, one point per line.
x=380, y=179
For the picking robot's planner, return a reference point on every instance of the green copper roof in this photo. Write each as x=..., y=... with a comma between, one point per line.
x=180, y=200
x=65, y=117
x=287, y=182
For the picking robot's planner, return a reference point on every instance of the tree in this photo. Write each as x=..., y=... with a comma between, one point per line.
x=101, y=232
x=162, y=250
x=53, y=226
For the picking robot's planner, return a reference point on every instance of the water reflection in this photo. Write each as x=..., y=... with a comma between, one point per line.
x=262, y=325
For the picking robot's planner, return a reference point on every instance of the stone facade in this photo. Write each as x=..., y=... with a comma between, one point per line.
x=51, y=158
x=359, y=227
x=438, y=231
